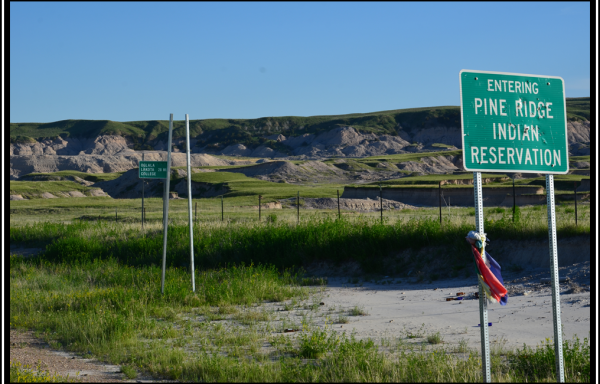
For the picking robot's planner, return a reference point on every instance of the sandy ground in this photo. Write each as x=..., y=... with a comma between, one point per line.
x=395, y=309
x=29, y=350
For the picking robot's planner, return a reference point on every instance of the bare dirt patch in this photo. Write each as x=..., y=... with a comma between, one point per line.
x=362, y=205
x=29, y=350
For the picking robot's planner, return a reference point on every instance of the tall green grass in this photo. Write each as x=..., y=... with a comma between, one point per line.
x=284, y=245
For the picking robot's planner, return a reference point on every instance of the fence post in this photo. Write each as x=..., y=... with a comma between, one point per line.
x=115, y=215
x=381, y=203
x=259, y=197
x=221, y=207
x=298, y=206
x=142, y=195
x=575, y=190
x=440, y=200
x=339, y=214
x=514, y=199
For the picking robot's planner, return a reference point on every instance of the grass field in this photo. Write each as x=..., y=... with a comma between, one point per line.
x=93, y=177
x=33, y=189
x=409, y=156
x=244, y=190
x=579, y=158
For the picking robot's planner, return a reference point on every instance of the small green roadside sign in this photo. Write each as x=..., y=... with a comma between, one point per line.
x=513, y=122
x=153, y=170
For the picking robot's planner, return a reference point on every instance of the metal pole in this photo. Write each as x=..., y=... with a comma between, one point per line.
x=381, y=203
x=575, y=190
x=259, y=197
x=440, y=200
x=142, y=196
x=166, y=206
x=514, y=200
x=189, y=185
x=558, y=353
x=339, y=214
x=483, y=318
x=298, y=206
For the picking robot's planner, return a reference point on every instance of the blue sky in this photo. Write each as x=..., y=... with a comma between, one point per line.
x=142, y=61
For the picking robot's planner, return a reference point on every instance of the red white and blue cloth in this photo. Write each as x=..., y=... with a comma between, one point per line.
x=489, y=269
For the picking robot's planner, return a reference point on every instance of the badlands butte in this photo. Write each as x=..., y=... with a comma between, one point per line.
x=398, y=148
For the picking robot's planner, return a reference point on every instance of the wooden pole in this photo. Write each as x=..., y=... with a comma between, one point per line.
x=259, y=197
x=298, y=206
x=339, y=214
x=575, y=190
x=381, y=203
x=440, y=200
x=514, y=200
x=221, y=207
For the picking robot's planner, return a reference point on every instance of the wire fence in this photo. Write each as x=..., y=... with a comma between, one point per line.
x=295, y=209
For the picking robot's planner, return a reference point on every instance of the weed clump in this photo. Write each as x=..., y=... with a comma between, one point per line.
x=129, y=372
x=435, y=338
x=358, y=311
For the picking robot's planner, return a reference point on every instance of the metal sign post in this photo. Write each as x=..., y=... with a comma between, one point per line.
x=483, y=318
x=512, y=122
x=166, y=206
x=558, y=353
x=189, y=185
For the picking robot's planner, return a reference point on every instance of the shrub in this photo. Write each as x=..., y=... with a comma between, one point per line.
x=358, y=311
x=436, y=338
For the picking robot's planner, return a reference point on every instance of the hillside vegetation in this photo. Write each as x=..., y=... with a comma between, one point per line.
x=250, y=132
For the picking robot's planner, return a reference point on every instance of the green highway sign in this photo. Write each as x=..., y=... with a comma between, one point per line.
x=513, y=122
x=153, y=170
